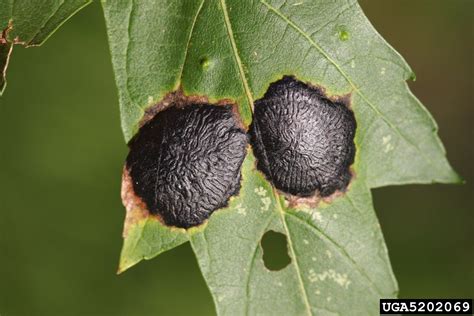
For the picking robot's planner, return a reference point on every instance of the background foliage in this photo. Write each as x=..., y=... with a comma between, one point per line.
x=62, y=154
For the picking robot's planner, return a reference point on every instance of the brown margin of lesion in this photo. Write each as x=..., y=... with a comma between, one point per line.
x=179, y=99
x=313, y=201
x=136, y=208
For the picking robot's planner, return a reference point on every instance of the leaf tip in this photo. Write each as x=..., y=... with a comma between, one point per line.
x=452, y=177
x=457, y=178
x=126, y=263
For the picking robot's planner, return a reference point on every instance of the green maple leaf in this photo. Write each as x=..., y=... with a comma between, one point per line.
x=233, y=49
x=30, y=23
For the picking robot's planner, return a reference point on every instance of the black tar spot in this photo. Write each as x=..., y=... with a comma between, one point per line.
x=303, y=141
x=185, y=163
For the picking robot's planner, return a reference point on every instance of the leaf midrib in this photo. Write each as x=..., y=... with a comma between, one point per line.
x=250, y=104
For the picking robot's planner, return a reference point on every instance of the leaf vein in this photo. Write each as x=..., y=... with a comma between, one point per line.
x=236, y=55
x=251, y=264
x=180, y=77
x=341, y=251
x=293, y=255
x=132, y=101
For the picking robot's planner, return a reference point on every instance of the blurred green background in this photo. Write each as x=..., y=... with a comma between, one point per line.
x=61, y=160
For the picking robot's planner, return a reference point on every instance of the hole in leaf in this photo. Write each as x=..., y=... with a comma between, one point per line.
x=275, y=250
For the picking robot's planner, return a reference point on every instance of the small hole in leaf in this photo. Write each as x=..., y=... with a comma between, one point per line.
x=275, y=251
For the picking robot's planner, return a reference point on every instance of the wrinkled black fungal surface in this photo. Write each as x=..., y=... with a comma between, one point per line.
x=185, y=163
x=302, y=140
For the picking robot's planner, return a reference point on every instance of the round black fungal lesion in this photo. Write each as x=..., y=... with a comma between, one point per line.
x=185, y=162
x=303, y=141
